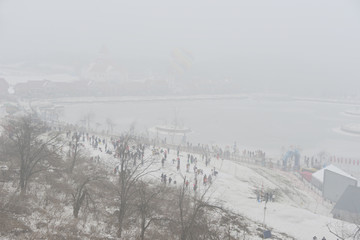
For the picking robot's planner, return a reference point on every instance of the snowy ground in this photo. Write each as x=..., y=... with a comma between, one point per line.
x=297, y=211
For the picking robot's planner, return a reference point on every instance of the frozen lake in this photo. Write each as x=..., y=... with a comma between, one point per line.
x=257, y=124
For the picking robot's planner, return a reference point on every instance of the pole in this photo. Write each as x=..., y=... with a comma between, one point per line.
x=264, y=213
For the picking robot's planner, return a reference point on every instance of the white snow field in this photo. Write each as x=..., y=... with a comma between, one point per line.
x=298, y=211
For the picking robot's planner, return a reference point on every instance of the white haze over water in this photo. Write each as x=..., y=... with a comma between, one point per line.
x=257, y=124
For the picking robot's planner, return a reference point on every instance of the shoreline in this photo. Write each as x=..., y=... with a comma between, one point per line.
x=327, y=100
x=125, y=99
x=76, y=100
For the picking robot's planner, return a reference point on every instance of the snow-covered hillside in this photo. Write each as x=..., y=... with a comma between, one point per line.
x=298, y=210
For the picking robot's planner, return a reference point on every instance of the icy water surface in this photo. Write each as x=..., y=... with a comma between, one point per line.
x=263, y=124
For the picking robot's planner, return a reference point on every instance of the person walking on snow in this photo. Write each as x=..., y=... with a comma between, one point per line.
x=187, y=183
x=195, y=186
x=209, y=179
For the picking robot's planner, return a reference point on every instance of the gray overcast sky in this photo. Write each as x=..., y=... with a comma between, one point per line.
x=268, y=41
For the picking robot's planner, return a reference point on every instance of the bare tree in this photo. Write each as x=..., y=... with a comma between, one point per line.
x=191, y=207
x=75, y=146
x=88, y=184
x=87, y=119
x=132, y=127
x=148, y=206
x=97, y=124
x=343, y=232
x=34, y=148
x=110, y=125
x=130, y=172
x=5, y=151
x=81, y=195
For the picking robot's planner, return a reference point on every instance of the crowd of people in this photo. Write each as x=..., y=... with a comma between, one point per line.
x=184, y=163
x=118, y=147
x=190, y=161
x=268, y=196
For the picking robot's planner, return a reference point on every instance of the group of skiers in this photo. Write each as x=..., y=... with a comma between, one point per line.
x=265, y=197
x=312, y=162
x=191, y=159
x=121, y=147
x=217, y=151
x=165, y=180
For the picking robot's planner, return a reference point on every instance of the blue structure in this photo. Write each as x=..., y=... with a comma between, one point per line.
x=267, y=234
x=291, y=154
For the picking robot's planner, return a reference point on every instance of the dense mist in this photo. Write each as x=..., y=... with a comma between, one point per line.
x=289, y=47
x=160, y=119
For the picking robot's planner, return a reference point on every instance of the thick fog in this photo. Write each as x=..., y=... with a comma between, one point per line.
x=293, y=47
x=163, y=119
x=266, y=53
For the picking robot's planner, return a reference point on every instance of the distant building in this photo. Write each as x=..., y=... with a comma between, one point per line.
x=347, y=207
x=31, y=88
x=49, y=89
x=103, y=69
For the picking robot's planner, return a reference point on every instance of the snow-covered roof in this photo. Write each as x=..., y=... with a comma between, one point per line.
x=319, y=175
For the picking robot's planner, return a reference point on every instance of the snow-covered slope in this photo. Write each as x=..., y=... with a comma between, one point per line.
x=297, y=210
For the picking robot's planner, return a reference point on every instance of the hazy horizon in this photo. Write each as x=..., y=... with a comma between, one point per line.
x=280, y=46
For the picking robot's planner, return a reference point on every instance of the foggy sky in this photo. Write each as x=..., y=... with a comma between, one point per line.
x=279, y=44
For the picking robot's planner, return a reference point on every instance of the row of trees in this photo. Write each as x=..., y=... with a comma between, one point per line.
x=39, y=156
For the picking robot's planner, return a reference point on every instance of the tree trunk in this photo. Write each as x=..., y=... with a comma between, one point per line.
x=75, y=154
x=22, y=183
x=121, y=217
x=76, y=211
x=78, y=202
x=183, y=235
x=72, y=164
x=142, y=234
